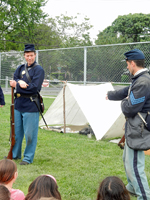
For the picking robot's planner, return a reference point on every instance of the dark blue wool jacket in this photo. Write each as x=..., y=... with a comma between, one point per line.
x=139, y=96
x=37, y=76
x=2, y=101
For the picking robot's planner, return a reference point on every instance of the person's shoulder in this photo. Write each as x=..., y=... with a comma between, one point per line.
x=17, y=194
x=144, y=79
x=20, y=66
x=143, y=75
x=37, y=65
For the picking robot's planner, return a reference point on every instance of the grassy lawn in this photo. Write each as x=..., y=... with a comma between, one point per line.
x=78, y=163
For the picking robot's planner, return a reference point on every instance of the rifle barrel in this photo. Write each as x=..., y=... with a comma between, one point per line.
x=12, y=125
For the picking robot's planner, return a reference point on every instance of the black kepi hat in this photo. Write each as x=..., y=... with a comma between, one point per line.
x=134, y=54
x=29, y=47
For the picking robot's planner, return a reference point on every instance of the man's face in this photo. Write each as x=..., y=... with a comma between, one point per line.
x=30, y=57
x=130, y=67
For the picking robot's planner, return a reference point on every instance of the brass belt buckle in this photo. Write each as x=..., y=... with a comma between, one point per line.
x=18, y=95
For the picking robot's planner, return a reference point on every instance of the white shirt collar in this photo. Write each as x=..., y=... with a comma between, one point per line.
x=141, y=70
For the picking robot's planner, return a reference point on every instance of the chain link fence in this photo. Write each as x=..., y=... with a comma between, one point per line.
x=92, y=64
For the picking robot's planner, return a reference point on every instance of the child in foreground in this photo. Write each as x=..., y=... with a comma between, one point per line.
x=8, y=175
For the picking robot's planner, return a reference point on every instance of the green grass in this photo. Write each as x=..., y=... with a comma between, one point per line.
x=78, y=163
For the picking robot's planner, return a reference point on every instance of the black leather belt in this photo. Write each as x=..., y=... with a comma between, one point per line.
x=17, y=95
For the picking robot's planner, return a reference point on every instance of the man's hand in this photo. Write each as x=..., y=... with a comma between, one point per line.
x=106, y=97
x=1, y=105
x=23, y=84
x=13, y=83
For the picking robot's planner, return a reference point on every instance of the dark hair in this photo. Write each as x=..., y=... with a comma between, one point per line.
x=7, y=170
x=4, y=193
x=43, y=186
x=29, y=52
x=139, y=63
x=113, y=188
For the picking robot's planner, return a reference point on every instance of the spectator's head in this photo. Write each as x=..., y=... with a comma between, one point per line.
x=8, y=171
x=4, y=193
x=112, y=187
x=43, y=186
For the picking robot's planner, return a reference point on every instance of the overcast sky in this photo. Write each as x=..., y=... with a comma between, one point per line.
x=100, y=12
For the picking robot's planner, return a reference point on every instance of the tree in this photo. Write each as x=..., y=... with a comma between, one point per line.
x=20, y=16
x=69, y=34
x=126, y=28
x=45, y=35
x=73, y=33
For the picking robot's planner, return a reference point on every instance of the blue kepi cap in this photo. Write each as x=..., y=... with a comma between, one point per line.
x=134, y=54
x=29, y=47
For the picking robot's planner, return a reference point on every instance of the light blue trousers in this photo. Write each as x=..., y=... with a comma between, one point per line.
x=134, y=163
x=26, y=124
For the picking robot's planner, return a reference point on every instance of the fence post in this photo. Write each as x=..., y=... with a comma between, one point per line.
x=85, y=64
x=37, y=56
x=6, y=84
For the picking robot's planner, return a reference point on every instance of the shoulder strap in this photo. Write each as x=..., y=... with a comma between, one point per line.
x=35, y=100
x=27, y=73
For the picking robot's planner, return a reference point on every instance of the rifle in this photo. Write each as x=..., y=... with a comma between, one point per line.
x=12, y=124
x=122, y=142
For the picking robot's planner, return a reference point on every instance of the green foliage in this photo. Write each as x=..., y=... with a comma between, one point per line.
x=103, y=64
x=73, y=33
x=78, y=163
x=46, y=35
x=124, y=78
x=73, y=63
x=58, y=75
x=18, y=19
x=132, y=26
x=125, y=29
x=24, y=22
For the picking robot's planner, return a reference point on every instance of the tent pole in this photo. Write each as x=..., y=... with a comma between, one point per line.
x=64, y=106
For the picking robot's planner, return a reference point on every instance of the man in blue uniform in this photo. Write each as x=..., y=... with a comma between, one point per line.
x=135, y=98
x=2, y=101
x=26, y=111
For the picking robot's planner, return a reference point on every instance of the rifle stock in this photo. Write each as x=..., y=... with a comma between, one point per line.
x=12, y=124
x=121, y=142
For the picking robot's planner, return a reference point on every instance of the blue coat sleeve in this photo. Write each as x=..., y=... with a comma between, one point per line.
x=135, y=102
x=37, y=77
x=118, y=95
x=2, y=101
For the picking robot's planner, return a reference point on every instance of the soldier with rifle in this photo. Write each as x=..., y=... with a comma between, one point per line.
x=26, y=110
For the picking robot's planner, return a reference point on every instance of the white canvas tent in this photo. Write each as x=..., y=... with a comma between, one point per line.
x=87, y=104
